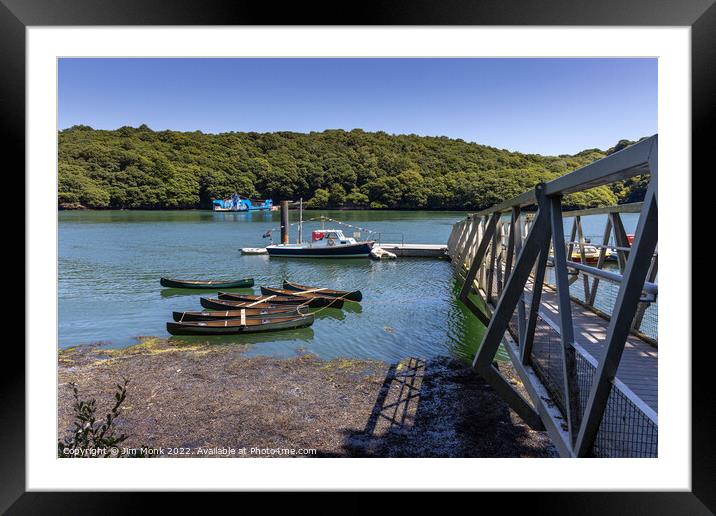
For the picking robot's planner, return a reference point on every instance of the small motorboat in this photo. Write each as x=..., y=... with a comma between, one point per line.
x=591, y=254
x=354, y=295
x=329, y=243
x=252, y=313
x=226, y=304
x=316, y=299
x=199, y=284
x=240, y=325
x=378, y=253
x=253, y=250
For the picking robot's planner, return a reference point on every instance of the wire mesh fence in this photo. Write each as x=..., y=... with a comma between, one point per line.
x=629, y=426
x=547, y=361
x=626, y=429
x=605, y=298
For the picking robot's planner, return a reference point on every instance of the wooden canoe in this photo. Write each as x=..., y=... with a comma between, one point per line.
x=226, y=304
x=251, y=298
x=354, y=295
x=314, y=300
x=238, y=326
x=252, y=313
x=199, y=284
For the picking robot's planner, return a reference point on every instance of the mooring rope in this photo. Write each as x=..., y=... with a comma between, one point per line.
x=324, y=218
x=337, y=298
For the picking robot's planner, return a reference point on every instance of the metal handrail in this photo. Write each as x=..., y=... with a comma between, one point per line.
x=498, y=255
x=629, y=162
x=402, y=236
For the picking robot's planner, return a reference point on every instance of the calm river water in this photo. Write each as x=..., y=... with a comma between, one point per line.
x=110, y=263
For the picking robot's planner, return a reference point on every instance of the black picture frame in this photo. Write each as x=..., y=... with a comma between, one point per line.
x=700, y=15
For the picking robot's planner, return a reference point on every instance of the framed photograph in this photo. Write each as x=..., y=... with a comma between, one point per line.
x=418, y=252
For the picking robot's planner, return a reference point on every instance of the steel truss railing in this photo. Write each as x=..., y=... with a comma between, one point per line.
x=506, y=262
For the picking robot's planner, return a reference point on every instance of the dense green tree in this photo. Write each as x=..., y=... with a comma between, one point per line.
x=141, y=168
x=337, y=196
x=320, y=199
x=357, y=199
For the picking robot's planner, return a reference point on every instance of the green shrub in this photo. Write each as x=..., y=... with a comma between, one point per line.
x=92, y=437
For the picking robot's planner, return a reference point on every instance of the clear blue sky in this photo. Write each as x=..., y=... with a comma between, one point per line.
x=545, y=106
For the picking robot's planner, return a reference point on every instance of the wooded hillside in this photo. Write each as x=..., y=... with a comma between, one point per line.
x=138, y=168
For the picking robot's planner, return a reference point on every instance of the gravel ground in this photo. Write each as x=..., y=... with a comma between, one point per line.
x=204, y=400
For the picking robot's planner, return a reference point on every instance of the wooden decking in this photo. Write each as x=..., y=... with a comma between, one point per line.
x=638, y=369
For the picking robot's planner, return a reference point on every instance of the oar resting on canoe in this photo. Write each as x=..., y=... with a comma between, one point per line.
x=333, y=302
x=267, y=301
x=354, y=295
x=287, y=298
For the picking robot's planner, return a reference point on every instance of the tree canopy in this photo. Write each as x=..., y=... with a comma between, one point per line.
x=138, y=168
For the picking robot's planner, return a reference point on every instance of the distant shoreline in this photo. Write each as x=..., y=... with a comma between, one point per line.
x=84, y=208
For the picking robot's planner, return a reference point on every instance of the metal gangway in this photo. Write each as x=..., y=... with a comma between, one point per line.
x=582, y=339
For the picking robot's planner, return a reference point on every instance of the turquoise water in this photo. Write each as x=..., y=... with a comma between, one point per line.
x=110, y=263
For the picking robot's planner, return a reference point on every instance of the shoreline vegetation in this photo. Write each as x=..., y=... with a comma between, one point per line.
x=201, y=400
x=138, y=168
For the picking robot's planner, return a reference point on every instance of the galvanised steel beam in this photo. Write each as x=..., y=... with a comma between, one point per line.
x=503, y=313
x=500, y=254
x=620, y=323
x=629, y=162
x=651, y=277
x=474, y=268
x=492, y=263
x=569, y=364
x=525, y=199
x=460, y=243
x=516, y=243
x=620, y=238
x=473, y=225
x=582, y=254
x=632, y=207
x=537, y=285
x=600, y=262
x=648, y=287
x=632, y=161
x=480, y=275
x=549, y=412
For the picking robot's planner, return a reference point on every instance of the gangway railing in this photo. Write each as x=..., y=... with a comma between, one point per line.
x=382, y=234
x=515, y=253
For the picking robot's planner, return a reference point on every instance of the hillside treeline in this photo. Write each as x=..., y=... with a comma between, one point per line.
x=138, y=168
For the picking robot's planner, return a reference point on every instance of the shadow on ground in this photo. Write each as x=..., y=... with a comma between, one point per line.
x=441, y=408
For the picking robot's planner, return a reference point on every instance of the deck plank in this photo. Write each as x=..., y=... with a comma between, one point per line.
x=639, y=365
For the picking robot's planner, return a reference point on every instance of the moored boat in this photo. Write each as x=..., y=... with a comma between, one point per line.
x=225, y=304
x=252, y=313
x=354, y=295
x=329, y=243
x=238, y=326
x=314, y=299
x=201, y=284
x=591, y=254
x=252, y=298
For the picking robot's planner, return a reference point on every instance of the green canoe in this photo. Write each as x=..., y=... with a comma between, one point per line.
x=211, y=285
